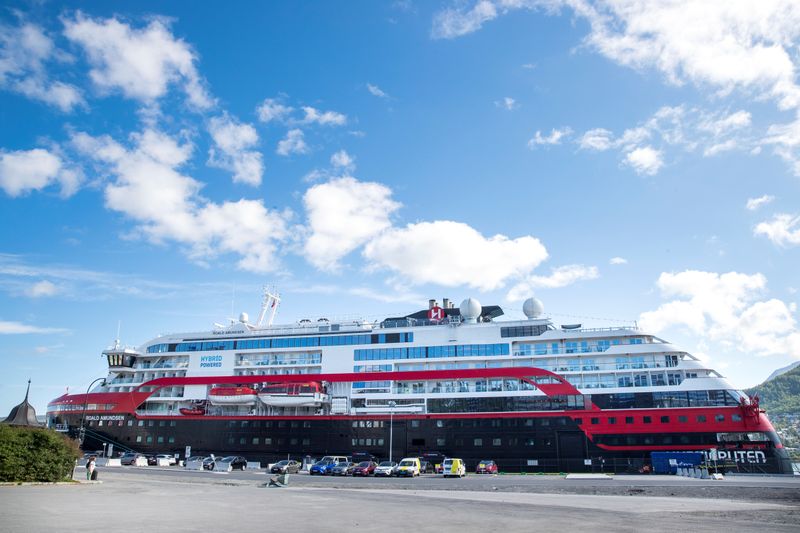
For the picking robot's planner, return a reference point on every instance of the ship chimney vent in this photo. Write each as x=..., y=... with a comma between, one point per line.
x=432, y=303
x=446, y=303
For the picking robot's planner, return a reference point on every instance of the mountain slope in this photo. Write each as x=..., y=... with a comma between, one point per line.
x=780, y=395
x=782, y=371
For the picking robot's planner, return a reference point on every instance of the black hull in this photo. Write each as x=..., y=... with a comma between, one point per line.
x=543, y=444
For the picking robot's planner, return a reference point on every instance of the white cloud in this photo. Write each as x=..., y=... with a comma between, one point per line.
x=451, y=23
x=599, y=139
x=507, y=103
x=323, y=118
x=645, y=160
x=618, y=261
x=141, y=63
x=783, y=229
x=726, y=308
x=234, y=141
x=374, y=90
x=755, y=203
x=149, y=188
x=24, y=51
x=343, y=214
x=560, y=277
x=273, y=110
x=293, y=143
x=24, y=171
x=343, y=160
x=554, y=138
x=452, y=253
x=786, y=141
x=720, y=126
x=18, y=328
x=43, y=288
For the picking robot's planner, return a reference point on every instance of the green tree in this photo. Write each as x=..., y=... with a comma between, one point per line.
x=35, y=454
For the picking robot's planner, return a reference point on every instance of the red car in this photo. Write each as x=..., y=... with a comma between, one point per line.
x=364, y=468
x=486, y=467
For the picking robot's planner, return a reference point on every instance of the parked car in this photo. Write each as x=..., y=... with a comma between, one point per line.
x=232, y=462
x=209, y=463
x=385, y=469
x=130, y=458
x=410, y=466
x=453, y=468
x=426, y=467
x=151, y=459
x=326, y=464
x=365, y=468
x=170, y=458
x=486, y=467
x=342, y=468
x=287, y=466
x=194, y=458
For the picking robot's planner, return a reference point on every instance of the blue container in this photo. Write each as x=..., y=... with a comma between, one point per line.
x=661, y=461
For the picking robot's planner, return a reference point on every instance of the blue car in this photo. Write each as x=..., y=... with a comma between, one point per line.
x=325, y=465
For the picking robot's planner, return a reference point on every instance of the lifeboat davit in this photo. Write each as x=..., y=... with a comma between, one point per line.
x=192, y=411
x=293, y=395
x=232, y=396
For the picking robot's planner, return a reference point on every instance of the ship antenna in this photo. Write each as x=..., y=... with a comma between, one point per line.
x=269, y=302
x=116, y=341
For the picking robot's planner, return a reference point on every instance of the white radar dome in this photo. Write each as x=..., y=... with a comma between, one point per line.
x=533, y=308
x=470, y=310
x=244, y=318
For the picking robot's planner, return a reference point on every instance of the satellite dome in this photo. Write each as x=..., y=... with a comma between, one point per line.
x=244, y=318
x=470, y=310
x=533, y=308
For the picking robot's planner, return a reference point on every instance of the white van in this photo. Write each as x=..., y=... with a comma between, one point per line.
x=454, y=468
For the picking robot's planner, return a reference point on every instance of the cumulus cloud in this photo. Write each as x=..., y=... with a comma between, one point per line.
x=599, y=139
x=272, y=110
x=726, y=308
x=559, y=277
x=232, y=151
x=141, y=63
x=149, y=188
x=755, y=203
x=783, y=229
x=645, y=160
x=293, y=143
x=554, y=138
x=42, y=288
x=374, y=90
x=618, y=261
x=452, y=253
x=24, y=53
x=32, y=170
x=323, y=118
x=343, y=214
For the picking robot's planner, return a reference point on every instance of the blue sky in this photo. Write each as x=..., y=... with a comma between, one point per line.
x=621, y=161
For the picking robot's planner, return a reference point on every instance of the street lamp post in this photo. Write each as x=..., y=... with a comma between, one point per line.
x=81, y=431
x=391, y=405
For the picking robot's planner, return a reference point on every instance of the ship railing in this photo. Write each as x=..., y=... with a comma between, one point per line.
x=419, y=322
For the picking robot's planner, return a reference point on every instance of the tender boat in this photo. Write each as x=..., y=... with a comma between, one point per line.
x=232, y=396
x=293, y=395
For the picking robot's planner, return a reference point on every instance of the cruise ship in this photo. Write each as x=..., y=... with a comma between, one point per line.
x=532, y=395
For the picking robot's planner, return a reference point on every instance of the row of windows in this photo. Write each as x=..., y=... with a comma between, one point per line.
x=372, y=368
x=279, y=359
x=649, y=400
x=523, y=331
x=282, y=342
x=544, y=348
x=664, y=419
x=506, y=404
x=422, y=352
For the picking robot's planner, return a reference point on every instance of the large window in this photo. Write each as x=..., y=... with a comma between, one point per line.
x=429, y=352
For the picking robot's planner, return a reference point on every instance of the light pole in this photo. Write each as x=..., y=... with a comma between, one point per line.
x=391, y=404
x=85, y=403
